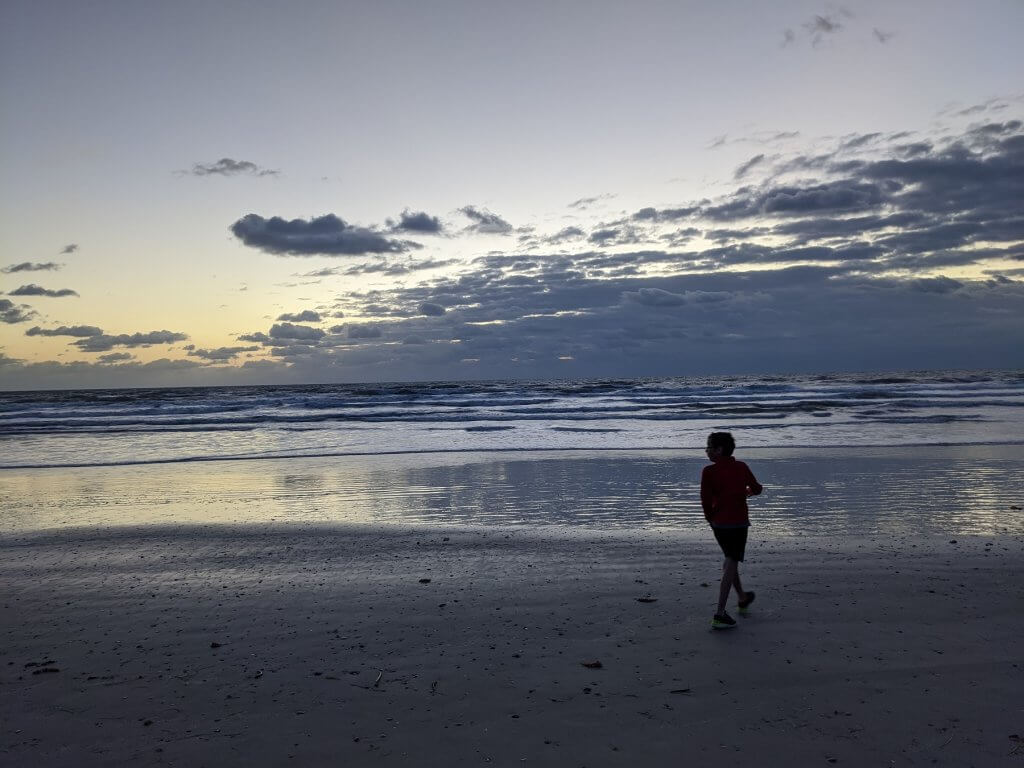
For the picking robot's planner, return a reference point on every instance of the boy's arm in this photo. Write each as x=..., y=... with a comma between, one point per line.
x=754, y=488
x=707, y=495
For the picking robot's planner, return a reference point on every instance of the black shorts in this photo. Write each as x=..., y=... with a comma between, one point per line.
x=733, y=542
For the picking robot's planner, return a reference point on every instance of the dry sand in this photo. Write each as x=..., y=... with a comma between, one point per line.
x=272, y=646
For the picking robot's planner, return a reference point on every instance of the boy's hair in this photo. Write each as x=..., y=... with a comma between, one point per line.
x=724, y=441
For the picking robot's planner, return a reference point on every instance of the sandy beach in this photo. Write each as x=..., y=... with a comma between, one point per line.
x=359, y=645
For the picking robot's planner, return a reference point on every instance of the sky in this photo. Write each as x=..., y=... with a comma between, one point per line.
x=200, y=193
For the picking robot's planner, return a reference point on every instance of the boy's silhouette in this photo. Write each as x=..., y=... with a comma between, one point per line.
x=725, y=485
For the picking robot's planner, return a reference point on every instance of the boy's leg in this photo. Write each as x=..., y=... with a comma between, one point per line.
x=740, y=594
x=729, y=574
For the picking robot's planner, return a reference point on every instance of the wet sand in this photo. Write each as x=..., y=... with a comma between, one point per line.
x=274, y=645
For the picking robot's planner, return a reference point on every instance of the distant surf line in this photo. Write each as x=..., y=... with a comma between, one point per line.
x=695, y=449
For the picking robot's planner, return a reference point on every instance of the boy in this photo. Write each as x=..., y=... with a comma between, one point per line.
x=724, y=487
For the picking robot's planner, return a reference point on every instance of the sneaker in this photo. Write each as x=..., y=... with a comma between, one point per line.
x=745, y=603
x=723, y=621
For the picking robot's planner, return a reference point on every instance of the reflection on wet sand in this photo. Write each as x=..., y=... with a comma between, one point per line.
x=828, y=492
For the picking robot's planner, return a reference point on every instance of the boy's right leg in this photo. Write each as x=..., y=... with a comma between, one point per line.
x=729, y=574
x=736, y=584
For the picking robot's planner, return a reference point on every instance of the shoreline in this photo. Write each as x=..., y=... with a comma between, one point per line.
x=261, y=645
x=494, y=454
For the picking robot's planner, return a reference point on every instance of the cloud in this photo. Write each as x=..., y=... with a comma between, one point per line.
x=485, y=222
x=77, y=331
x=585, y=202
x=393, y=268
x=434, y=310
x=36, y=290
x=516, y=324
x=326, y=235
x=105, y=342
x=882, y=37
x=940, y=284
x=655, y=297
x=818, y=27
x=364, y=331
x=877, y=229
x=28, y=266
x=665, y=214
x=228, y=167
x=12, y=313
x=293, y=350
x=745, y=168
x=69, y=248
x=299, y=332
x=623, y=234
x=306, y=316
x=220, y=353
x=416, y=221
x=116, y=357
x=564, y=235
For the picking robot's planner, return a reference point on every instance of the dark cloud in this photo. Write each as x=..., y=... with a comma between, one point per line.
x=603, y=236
x=15, y=313
x=393, y=268
x=485, y=222
x=655, y=297
x=228, y=167
x=306, y=316
x=364, y=331
x=818, y=27
x=262, y=338
x=858, y=140
x=665, y=214
x=297, y=332
x=221, y=353
x=325, y=272
x=939, y=284
x=625, y=234
x=914, y=148
x=69, y=248
x=77, y=331
x=585, y=202
x=746, y=167
x=28, y=266
x=992, y=105
x=728, y=320
x=293, y=350
x=564, y=235
x=37, y=290
x=104, y=342
x=116, y=357
x=793, y=200
x=882, y=37
x=434, y=310
x=416, y=221
x=327, y=235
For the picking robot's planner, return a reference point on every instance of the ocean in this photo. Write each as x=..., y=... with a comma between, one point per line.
x=116, y=427
x=934, y=452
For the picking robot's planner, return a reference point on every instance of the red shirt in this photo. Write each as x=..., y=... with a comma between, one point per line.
x=724, y=487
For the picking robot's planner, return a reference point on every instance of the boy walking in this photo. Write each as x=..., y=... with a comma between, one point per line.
x=725, y=485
